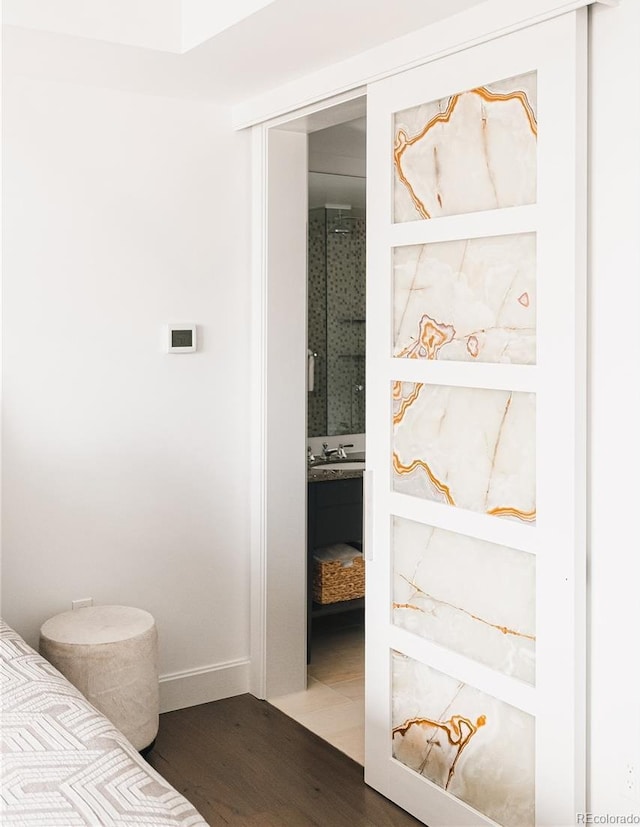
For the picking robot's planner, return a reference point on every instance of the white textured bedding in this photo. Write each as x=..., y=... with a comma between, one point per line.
x=63, y=763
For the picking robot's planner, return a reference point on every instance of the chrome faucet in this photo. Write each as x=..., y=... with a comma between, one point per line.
x=338, y=452
x=341, y=452
x=329, y=452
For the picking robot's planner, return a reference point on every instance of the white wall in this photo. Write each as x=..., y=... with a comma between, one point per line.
x=124, y=468
x=614, y=573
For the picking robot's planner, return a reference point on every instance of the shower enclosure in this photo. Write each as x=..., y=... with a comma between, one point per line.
x=336, y=320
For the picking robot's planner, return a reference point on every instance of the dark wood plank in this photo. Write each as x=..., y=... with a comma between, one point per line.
x=241, y=761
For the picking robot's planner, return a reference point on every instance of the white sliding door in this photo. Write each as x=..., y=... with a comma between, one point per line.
x=475, y=432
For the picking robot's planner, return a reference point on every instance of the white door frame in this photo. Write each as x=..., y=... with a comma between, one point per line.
x=279, y=409
x=281, y=121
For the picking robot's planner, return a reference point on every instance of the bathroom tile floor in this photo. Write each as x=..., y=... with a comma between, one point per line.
x=333, y=704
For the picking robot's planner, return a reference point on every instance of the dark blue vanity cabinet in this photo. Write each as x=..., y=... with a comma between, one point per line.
x=334, y=515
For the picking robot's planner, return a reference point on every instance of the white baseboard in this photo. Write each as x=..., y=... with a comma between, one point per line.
x=208, y=683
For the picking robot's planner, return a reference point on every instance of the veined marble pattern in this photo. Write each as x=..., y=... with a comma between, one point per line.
x=473, y=597
x=469, y=300
x=475, y=150
x=476, y=747
x=468, y=447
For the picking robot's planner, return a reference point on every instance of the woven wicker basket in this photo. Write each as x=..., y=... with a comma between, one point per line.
x=333, y=581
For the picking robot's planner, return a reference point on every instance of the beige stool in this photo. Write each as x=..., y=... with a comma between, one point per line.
x=110, y=653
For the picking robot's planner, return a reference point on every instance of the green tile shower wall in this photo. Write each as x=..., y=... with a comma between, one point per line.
x=336, y=296
x=317, y=321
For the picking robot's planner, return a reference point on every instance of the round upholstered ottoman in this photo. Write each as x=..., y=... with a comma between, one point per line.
x=110, y=653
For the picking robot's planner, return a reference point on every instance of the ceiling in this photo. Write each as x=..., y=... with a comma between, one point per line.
x=278, y=43
x=346, y=191
x=165, y=25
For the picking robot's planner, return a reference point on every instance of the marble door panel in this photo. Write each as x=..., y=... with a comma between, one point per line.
x=474, y=597
x=468, y=300
x=476, y=747
x=468, y=447
x=475, y=150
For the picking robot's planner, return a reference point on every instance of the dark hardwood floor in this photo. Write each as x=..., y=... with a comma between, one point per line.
x=241, y=761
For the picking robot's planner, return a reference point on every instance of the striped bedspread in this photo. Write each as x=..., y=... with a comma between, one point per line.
x=63, y=763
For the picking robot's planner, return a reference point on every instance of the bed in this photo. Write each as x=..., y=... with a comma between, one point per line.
x=63, y=763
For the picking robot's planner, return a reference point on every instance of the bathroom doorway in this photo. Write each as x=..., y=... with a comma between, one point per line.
x=332, y=705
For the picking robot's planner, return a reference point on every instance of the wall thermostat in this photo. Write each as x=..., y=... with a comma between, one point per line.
x=181, y=338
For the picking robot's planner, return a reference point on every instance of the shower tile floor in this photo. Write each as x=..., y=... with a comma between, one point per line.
x=333, y=704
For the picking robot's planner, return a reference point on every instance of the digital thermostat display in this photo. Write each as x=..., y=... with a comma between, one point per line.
x=181, y=338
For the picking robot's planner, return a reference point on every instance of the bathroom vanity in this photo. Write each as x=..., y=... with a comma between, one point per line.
x=334, y=515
